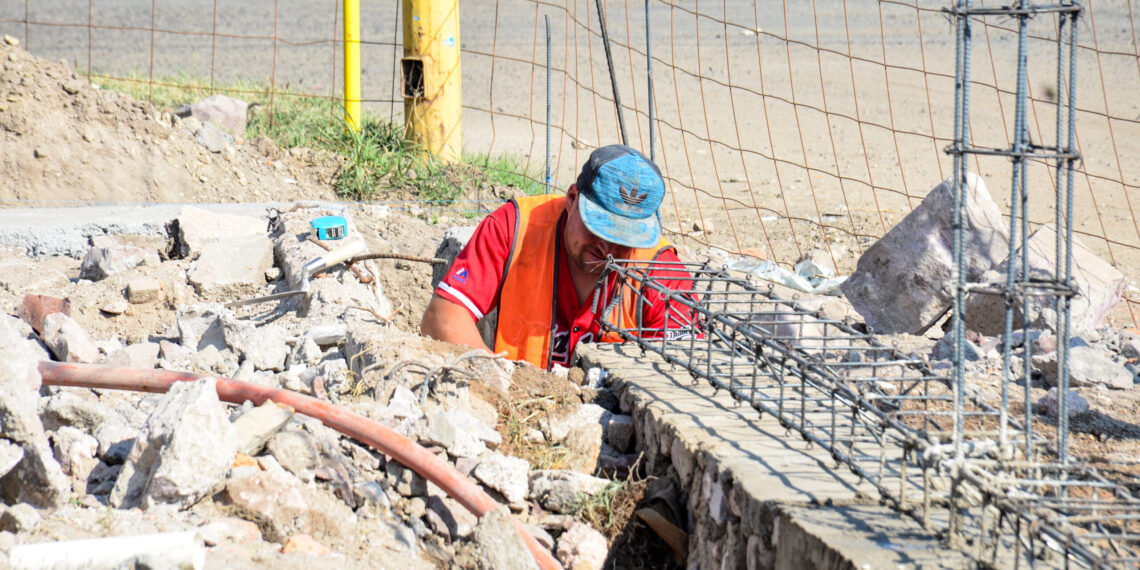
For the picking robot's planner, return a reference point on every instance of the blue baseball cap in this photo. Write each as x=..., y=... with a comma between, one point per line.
x=623, y=191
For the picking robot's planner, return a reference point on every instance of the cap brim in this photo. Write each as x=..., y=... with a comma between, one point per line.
x=644, y=233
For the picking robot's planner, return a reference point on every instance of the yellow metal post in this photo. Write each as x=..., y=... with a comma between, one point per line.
x=352, y=64
x=433, y=94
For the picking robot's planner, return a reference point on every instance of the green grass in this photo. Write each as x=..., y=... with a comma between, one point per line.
x=378, y=161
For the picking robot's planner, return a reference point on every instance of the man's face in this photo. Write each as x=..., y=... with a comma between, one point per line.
x=585, y=250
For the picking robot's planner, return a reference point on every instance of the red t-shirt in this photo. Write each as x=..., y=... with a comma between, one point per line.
x=473, y=282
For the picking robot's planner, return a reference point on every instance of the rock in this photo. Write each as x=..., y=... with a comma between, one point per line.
x=36, y=478
x=183, y=451
x=67, y=340
x=10, y=455
x=507, y=475
x=305, y=544
x=1088, y=366
x=144, y=290
x=495, y=544
x=328, y=335
x=619, y=432
x=446, y=515
x=899, y=284
x=103, y=262
x=196, y=227
x=102, y=478
x=263, y=346
x=213, y=138
x=255, y=427
x=20, y=518
x=34, y=308
x=229, y=530
x=459, y=432
x=1049, y=404
x=971, y=351
x=200, y=326
x=221, y=110
x=295, y=450
x=281, y=506
x=582, y=548
x=116, y=306
x=116, y=438
x=74, y=408
x=11, y=41
x=1098, y=284
x=218, y=272
x=75, y=452
x=586, y=415
x=562, y=491
x=142, y=355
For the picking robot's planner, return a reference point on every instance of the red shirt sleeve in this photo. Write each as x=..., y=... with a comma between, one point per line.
x=661, y=313
x=473, y=279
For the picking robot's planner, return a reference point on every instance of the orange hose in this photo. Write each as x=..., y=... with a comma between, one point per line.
x=403, y=450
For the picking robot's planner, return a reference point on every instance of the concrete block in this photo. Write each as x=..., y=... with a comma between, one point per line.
x=103, y=262
x=1099, y=287
x=182, y=453
x=196, y=227
x=144, y=290
x=562, y=491
x=255, y=427
x=68, y=340
x=263, y=346
x=232, y=266
x=36, y=478
x=899, y=284
x=507, y=475
x=1088, y=366
x=582, y=548
x=459, y=432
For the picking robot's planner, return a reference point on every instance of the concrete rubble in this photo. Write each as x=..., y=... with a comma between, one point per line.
x=262, y=477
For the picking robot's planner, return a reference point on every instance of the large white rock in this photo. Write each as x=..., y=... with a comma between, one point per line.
x=900, y=283
x=183, y=451
x=68, y=340
x=507, y=475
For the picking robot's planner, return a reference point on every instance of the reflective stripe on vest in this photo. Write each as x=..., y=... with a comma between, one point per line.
x=527, y=293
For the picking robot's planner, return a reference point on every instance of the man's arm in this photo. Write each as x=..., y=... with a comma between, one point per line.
x=450, y=322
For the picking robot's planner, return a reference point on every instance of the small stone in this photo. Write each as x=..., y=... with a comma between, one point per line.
x=305, y=544
x=1049, y=404
x=11, y=41
x=38, y=153
x=115, y=307
x=20, y=517
x=144, y=290
x=582, y=548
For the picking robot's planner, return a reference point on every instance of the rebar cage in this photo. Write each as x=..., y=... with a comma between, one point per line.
x=891, y=417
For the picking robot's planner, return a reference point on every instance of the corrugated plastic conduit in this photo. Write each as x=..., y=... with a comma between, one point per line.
x=380, y=438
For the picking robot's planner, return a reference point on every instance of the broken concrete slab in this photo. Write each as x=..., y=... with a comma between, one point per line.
x=1088, y=366
x=496, y=544
x=1050, y=404
x=295, y=450
x=194, y=228
x=457, y=431
x=200, y=325
x=10, y=455
x=68, y=340
x=79, y=409
x=562, y=491
x=582, y=547
x=142, y=355
x=505, y=474
x=257, y=426
x=231, y=266
x=264, y=346
x=37, y=478
x=1099, y=286
x=75, y=451
x=182, y=453
x=899, y=284
x=281, y=506
x=103, y=262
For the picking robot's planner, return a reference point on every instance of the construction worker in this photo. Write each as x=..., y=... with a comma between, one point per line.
x=540, y=260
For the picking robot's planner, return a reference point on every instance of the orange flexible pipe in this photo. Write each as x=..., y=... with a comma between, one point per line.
x=405, y=451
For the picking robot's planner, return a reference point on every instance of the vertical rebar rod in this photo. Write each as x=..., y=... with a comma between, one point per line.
x=649, y=82
x=610, y=64
x=962, y=136
x=1067, y=275
x=1018, y=269
x=547, y=179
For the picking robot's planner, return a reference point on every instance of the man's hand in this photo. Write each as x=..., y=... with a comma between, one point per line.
x=447, y=321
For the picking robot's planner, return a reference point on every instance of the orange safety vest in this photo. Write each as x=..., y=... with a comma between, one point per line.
x=526, y=294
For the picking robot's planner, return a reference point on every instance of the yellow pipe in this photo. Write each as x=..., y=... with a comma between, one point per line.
x=433, y=94
x=352, y=64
